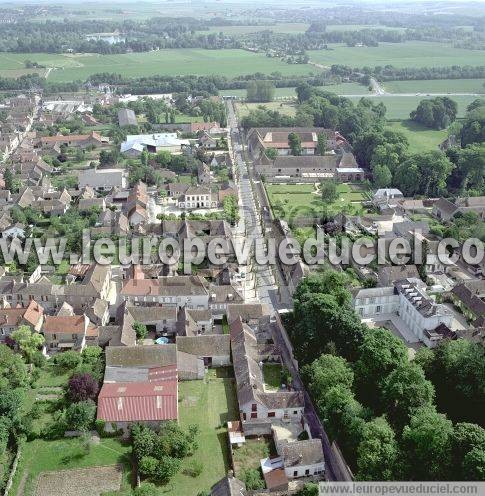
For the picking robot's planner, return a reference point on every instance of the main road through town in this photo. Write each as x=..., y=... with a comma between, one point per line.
x=269, y=285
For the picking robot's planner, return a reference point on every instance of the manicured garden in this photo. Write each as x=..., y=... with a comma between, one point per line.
x=299, y=200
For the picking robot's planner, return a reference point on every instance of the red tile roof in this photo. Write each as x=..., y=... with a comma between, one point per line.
x=139, y=401
x=69, y=325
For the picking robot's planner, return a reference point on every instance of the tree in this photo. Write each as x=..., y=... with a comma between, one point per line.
x=382, y=176
x=143, y=439
x=29, y=342
x=427, y=442
x=294, y=141
x=325, y=372
x=80, y=416
x=380, y=353
x=271, y=153
x=437, y=113
x=467, y=438
x=82, y=387
x=167, y=467
x=140, y=329
x=474, y=465
x=321, y=144
x=13, y=371
x=342, y=415
x=404, y=390
x=328, y=191
x=68, y=360
x=377, y=452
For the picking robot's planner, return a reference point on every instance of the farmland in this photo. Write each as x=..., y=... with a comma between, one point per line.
x=399, y=107
x=288, y=28
x=164, y=62
x=409, y=54
x=436, y=86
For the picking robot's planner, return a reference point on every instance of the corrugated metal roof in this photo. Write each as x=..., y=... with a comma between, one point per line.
x=139, y=401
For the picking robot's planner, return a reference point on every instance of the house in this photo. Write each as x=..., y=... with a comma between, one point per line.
x=126, y=117
x=229, y=486
x=204, y=174
x=103, y=179
x=65, y=332
x=303, y=458
x=469, y=296
x=197, y=197
x=388, y=274
x=444, y=210
x=75, y=140
x=261, y=139
x=213, y=349
x=149, y=402
x=12, y=318
x=87, y=204
x=207, y=141
x=255, y=402
x=177, y=291
x=407, y=302
x=161, y=319
x=136, y=205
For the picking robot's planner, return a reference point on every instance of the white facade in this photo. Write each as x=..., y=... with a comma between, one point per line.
x=256, y=410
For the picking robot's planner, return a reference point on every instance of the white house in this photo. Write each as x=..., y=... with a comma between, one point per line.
x=406, y=299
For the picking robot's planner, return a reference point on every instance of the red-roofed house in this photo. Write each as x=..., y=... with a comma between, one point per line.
x=66, y=332
x=11, y=318
x=123, y=403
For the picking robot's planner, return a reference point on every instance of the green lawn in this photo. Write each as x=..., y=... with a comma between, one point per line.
x=71, y=67
x=300, y=200
x=436, y=86
x=420, y=137
x=272, y=376
x=209, y=404
x=409, y=54
x=40, y=456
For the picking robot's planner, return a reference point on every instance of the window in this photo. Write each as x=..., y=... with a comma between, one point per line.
x=378, y=309
x=307, y=471
x=271, y=414
x=254, y=415
x=361, y=311
x=254, y=407
x=295, y=473
x=295, y=412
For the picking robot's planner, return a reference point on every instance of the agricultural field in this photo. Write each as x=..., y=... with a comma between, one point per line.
x=359, y=27
x=399, y=107
x=210, y=404
x=409, y=54
x=420, y=137
x=286, y=28
x=73, y=67
x=476, y=86
x=300, y=200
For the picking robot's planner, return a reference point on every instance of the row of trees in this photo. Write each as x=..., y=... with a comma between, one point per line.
x=376, y=403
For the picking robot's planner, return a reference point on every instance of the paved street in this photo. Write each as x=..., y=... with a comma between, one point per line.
x=270, y=287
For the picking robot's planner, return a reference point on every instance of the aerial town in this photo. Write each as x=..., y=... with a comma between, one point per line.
x=225, y=285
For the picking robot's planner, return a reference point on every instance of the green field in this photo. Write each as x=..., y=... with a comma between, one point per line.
x=420, y=137
x=399, y=107
x=359, y=27
x=282, y=107
x=340, y=89
x=300, y=200
x=290, y=28
x=209, y=404
x=436, y=86
x=165, y=62
x=409, y=54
